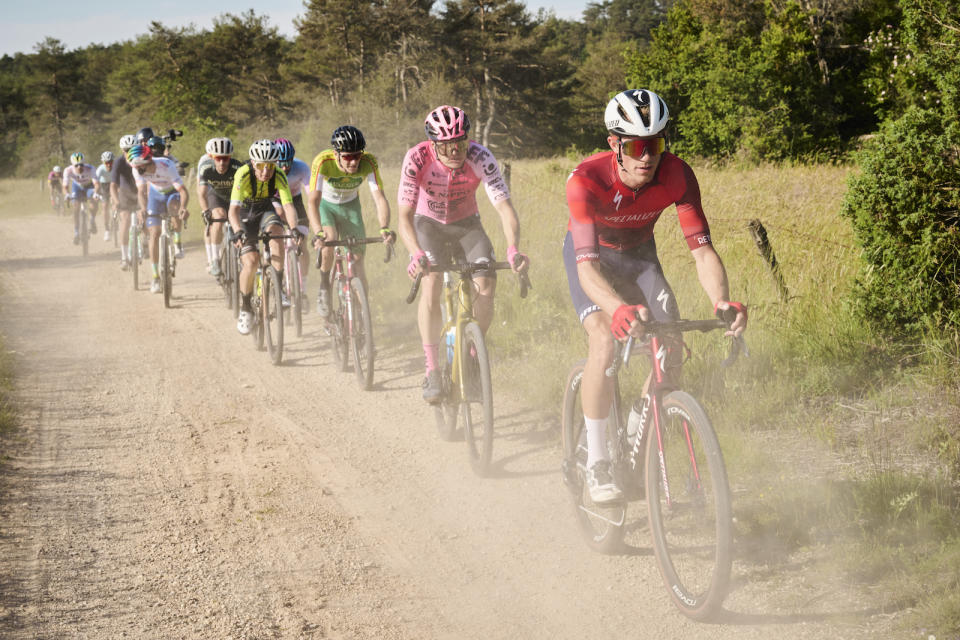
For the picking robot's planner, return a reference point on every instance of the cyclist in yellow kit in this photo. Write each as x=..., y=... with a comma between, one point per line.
x=334, y=206
x=256, y=186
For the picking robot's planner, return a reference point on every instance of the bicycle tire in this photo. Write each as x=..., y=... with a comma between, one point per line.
x=84, y=232
x=446, y=412
x=257, y=305
x=361, y=336
x=234, y=262
x=133, y=248
x=338, y=329
x=690, y=516
x=223, y=260
x=272, y=315
x=477, y=390
x=602, y=526
x=166, y=280
x=294, y=292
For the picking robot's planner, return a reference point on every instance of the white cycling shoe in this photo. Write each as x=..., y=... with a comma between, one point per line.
x=155, y=286
x=245, y=322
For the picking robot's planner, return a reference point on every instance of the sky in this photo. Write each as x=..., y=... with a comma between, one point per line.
x=78, y=24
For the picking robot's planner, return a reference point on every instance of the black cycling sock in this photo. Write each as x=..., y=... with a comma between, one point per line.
x=325, y=279
x=245, y=302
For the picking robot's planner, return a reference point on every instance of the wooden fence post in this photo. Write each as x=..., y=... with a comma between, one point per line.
x=759, y=234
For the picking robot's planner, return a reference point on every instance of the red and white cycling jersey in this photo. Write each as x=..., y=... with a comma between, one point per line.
x=163, y=176
x=604, y=211
x=444, y=194
x=85, y=176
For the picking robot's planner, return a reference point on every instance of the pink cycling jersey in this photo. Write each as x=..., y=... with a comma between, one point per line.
x=604, y=211
x=444, y=194
x=85, y=177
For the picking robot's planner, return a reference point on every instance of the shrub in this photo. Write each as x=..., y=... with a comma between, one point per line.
x=905, y=210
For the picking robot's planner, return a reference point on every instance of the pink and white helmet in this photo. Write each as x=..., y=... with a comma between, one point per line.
x=446, y=123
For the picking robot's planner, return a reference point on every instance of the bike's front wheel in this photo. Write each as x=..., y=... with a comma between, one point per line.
x=602, y=526
x=166, y=269
x=477, y=406
x=271, y=309
x=339, y=339
x=688, y=498
x=294, y=292
x=133, y=248
x=84, y=231
x=361, y=336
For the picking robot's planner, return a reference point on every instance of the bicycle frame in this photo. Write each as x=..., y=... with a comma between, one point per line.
x=655, y=348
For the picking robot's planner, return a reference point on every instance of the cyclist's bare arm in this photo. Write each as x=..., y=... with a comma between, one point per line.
x=142, y=197
x=713, y=279
x=405, y=227
x=184, y=199
x=233, y=215
x=313, y=210
x=383, y=207
x=599, y=289
x=510, y=223
x=291, y=213
x=202, y=194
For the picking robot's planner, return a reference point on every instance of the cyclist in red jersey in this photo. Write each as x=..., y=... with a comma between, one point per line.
x=615, y=197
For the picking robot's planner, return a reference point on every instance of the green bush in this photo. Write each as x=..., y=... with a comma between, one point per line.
x=905, y=210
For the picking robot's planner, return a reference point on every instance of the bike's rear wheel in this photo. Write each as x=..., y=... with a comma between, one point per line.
x=272, y=315
x=338, y=328
x=688, y=498
x=477, y=406
x=361, y=336
x=602, y=526
x=166, y=267
x=294, y=292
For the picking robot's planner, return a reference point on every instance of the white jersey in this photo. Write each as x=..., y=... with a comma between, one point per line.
x=104, y=175
x=85, y=176
x=298, y=177
x=163, y=177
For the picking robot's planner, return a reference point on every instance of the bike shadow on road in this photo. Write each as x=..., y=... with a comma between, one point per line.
x=528, y=434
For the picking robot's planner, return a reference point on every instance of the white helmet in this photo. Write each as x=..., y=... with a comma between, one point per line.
x=636, y=112
x=56, y=169
x=126, y=142
x=106, y=156
x=264, y=151
x=219, y=147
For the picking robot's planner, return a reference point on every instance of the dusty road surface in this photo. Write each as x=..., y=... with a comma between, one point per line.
x=168, y=482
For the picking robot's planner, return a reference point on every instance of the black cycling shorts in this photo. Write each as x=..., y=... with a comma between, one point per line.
x=463, y=240
x=635, y=274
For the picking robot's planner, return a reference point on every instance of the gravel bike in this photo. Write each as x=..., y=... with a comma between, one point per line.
x=464, y=362
x=350, y=325
x=674, y=458
x=268, y=303
x=228, y=262
x=83, y=232
x=293, y=283
x=167, y=254
x=136, y=248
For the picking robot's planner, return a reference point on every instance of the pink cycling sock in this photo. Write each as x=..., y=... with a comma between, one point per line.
x=431, y=354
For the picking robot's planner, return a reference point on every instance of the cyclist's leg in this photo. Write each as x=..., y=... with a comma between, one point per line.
x=156, y=207
x=249, y=259
x=76, y=195
x=274, y=225
x=303, y=226
x=477, y=247
x=350, y=225
x=329, y=215
x=431, y=238
x=94, y=205
x=105, y=198
x=173, y=208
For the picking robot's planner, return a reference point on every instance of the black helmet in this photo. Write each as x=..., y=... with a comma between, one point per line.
x=156, y=145
x=144, y=134
x=347, y=139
